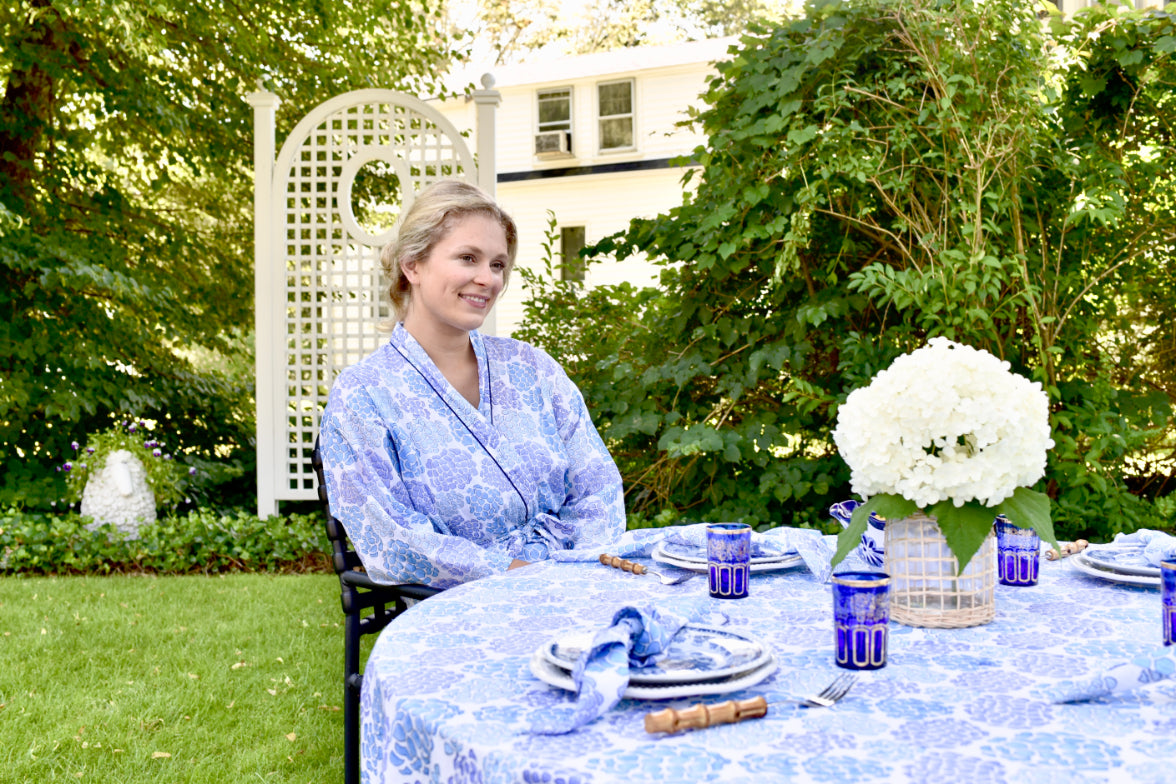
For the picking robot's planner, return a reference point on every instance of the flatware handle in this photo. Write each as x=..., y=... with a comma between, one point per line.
x=697, y=717
x=1068, y=549
x=621, y=563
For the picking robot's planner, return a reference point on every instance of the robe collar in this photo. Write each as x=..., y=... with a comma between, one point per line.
x=478, y=421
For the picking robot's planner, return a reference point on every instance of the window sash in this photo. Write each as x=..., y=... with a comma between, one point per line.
x=615, y=114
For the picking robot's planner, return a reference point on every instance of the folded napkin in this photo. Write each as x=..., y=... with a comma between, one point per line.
x=1152, y=667
x=808, y=543
x=636, y=637
x=1140, y=548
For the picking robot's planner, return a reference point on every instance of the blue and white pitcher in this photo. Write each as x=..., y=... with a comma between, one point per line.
x=871, y=549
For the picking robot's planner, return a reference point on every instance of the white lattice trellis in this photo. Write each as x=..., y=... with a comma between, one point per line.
x=320, y=294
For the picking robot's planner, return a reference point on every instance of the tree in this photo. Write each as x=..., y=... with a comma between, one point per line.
x=512, y=29
x=878, y=173
x=125, y=204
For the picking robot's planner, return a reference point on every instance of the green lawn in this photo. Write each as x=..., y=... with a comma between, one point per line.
x=232, y=678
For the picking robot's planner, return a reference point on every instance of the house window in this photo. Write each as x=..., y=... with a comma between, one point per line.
x=615, y=102
x=554, y=137
x=571, y=242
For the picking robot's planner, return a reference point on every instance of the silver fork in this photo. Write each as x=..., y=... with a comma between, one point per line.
x=703, y=715
x=831, y=693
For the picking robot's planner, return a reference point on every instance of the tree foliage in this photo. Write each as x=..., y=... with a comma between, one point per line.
x=512, y=29
x=877, y=173
x=125, y=204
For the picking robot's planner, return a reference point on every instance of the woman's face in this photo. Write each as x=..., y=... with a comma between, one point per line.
x=454, y=287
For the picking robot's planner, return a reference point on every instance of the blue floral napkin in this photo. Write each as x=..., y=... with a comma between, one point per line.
x=809, y=543
x=1144, y=669
x=1140, y=548
x=636, y=637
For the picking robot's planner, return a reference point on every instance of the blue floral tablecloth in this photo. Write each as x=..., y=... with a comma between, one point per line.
x=449, y=695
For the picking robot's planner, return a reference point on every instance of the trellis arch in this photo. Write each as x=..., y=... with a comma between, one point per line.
x=319, y=291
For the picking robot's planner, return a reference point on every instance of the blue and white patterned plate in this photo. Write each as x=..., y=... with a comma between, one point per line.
x=774, y=564
x=1113, y=560
x=556, y=676
x=697, y=654
x=1097, y=569
x=683, y=552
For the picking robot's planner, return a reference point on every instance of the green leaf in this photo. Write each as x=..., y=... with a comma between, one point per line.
x=1030, y=509
x=886, y=505
x=964, y=527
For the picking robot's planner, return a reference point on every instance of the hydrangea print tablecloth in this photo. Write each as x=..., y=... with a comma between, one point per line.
x=449, y=695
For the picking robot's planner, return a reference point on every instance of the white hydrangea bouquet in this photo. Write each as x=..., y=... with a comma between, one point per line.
x=947, y=429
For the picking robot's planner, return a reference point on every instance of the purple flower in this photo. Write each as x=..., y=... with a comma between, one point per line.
x=74, y=444
x=192, y=471
x=131, y=428
x=167, y=457
x=156, y=452
x=67, y=466
x=89, y=450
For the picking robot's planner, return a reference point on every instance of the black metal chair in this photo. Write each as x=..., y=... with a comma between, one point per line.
x=358, y=593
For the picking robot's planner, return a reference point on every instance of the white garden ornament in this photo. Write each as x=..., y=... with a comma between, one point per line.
x=119, y=494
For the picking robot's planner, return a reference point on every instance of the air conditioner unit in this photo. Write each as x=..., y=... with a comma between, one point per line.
x=553, y=144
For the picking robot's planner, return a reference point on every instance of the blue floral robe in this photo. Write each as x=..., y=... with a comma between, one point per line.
x=432, y=490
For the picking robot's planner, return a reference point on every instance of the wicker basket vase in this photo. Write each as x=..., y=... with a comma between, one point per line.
x=924, y=587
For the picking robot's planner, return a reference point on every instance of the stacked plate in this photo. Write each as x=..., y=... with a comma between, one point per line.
x=701, y=660
x=1116, y=565
x=694, y=558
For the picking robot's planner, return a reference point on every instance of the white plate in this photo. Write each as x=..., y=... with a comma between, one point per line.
x=1105, y=559
x=697, y=653
x=1093, y=569
x=689, y=554
x=552, y=675
x=785, y=562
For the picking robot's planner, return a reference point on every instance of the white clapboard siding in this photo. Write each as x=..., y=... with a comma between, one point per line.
x=587, y=189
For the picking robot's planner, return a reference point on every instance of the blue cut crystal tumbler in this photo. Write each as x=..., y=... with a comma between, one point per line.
x=1168, y=599
x=728, y=559
x=1018, y=553
x=861, y=616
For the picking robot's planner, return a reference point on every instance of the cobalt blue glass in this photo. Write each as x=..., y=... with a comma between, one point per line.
x=1168, y=597
x=1018, y=553
x=728, y=559
x=861, y=618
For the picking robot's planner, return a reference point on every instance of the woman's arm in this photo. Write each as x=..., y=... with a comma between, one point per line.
x=594, y=508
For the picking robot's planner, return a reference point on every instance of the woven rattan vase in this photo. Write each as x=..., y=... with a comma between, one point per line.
x=924, y=587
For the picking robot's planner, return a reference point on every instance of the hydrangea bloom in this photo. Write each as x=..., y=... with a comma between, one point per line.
x=946, y=421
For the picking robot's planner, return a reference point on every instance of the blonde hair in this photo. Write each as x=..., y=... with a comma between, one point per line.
x=432, y=216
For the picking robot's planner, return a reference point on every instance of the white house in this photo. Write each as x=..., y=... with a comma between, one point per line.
x=593, y=139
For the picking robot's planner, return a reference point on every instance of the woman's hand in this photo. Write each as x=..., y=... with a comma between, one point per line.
x=516, y=563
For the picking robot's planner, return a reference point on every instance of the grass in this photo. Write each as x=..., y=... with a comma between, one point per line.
x=128, y=679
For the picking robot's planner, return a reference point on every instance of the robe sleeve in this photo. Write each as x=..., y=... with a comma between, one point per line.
x=367, y=492
x=593, y=511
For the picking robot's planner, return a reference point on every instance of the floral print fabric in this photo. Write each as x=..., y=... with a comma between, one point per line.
x=448, y=693
x=433, y=490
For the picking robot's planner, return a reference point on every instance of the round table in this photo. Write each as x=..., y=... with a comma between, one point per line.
x=449, y=695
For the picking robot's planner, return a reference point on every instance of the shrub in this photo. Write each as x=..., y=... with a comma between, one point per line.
x=198, y=542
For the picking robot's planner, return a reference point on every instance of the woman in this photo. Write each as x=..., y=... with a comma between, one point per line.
x=450, y=455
